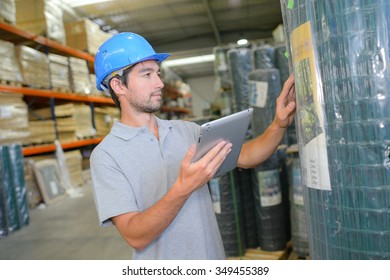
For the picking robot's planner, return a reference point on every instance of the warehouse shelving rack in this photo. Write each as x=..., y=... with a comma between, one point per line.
x=15, y=35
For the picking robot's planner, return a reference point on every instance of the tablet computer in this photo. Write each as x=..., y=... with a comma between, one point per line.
x=232, y=128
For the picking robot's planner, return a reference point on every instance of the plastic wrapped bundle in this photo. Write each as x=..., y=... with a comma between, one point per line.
x=264, y=89
x=343, y=117
x=3, y=209
x=16, y=203
x=299, y=235
x=228, y=209
x=264, y=57
x=271, y=215
x=8, y=10
x=245, y=182
x=221, y=66
x=282, y=63
x=240, y=64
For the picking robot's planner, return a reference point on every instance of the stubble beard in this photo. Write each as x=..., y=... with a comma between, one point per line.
x=149, y=106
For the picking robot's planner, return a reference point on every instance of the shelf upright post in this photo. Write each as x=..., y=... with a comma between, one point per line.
x=53, y=115
x=92, y=106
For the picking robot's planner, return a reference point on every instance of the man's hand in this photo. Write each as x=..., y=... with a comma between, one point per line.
x=193, y=175
x=285, y=104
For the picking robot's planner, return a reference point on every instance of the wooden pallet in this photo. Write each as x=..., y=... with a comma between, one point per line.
x=258, y=254
x=294, y=256
x=10, y=83
x=62, y=90
x=2, y=19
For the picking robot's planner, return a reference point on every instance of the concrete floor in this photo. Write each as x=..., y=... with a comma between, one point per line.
x=65, y=230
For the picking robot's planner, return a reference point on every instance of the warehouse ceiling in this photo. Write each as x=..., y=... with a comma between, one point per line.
x=187, y=28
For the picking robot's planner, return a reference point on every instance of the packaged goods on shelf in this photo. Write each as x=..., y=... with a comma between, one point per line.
x=95, y=91
x=34, y=66
x=8, y=11
x=59, y=72
x=79, y=76
x=73, y=160
x=85, y=35
x=41, y=17
x=41, y=132
x=104, y=119
x=47, y=173
x=33, y=194
x=83, y=117
x=9, y=68
x=45, y=113
x=13, y=119
x=66, y=128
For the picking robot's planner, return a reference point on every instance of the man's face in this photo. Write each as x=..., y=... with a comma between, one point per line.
x=145, y=87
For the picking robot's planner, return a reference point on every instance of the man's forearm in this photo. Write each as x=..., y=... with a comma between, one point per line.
x=259, y=149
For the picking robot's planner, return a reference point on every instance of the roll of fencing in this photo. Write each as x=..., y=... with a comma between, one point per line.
x=226, y=198
x=3, y=201
x=221, y=66
x=270, y=204
x=272, y=219
x=15, y=193
x=245, y=184
x=264, y=57
x=264, y=88
x=340, y=52
x=282, y=64
x=240, y=64
x=299, y=235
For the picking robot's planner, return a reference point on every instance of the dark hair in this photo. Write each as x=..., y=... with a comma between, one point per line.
x=123, y=80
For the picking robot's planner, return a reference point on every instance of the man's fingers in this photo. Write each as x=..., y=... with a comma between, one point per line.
x=190, y=154
x=217, y=161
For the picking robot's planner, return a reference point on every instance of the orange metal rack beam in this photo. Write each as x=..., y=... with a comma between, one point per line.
x=54, y=94
x=34, y=150
x=45, y=41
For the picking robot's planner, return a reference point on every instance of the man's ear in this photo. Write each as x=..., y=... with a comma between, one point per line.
x=117, y=86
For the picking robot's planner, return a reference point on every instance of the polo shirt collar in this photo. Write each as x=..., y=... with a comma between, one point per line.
x=127, y=132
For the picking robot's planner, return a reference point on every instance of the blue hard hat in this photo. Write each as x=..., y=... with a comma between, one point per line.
x=120, y=51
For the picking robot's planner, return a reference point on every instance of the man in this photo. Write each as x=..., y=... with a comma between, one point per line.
x=144, y=180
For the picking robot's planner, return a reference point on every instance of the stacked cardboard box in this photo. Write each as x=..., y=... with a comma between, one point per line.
x=8, y=11
x=73, y=160
x=34, y=66
x=9, y=68
x=83, y=116
x=41, y=17
x=13, y=119
x=59, y=72
x=85, y=35
x=104, y=119
x=65, y=121
x=79, y=76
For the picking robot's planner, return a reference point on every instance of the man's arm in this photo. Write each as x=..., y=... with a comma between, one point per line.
x=139, y=229
x=262, y=147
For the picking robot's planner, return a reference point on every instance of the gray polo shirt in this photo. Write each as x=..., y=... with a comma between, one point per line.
x=131, y=170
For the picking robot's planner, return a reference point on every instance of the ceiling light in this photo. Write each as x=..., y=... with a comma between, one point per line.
x=189, y=60
x=242, y=42
x=78, y=3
